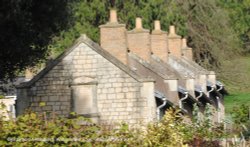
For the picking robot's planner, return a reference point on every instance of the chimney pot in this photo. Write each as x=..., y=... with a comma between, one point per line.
x=113, y=16
x=28, y=74
x=157, y=25
x=138, y=23
x=172, y=30
x=184, y=43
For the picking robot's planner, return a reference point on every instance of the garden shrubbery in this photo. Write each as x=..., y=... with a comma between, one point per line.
x=46, y=129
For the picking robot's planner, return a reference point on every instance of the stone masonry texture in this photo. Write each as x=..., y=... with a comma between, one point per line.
x=118, y=94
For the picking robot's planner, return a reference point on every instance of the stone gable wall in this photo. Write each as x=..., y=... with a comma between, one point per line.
x=118, y=94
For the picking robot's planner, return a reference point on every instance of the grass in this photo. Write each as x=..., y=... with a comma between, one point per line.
x=236, y=76
x=236, y=100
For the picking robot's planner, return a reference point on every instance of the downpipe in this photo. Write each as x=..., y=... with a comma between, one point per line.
x=159, y=108
x=182, y=99
x=221, y=87
x=218, y=101
x=199, y=96
x=212, y=89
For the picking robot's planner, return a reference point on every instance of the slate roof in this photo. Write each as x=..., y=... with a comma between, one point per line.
x=155, y=67
x=185, y=67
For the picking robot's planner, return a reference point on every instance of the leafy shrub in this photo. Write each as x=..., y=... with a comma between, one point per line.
x=46, y=129
x=202, y=131
x=167, y=132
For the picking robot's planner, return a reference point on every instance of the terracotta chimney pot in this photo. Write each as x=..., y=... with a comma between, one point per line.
x=172, y=30
x=157, y=25
x=113, y=16
x=138, y=23
x=184, y=43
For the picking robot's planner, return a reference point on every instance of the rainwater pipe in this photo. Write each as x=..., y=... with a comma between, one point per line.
x=221, y=87
x=212, y=89
x=201, y=93
x=218, y=101
x=182, y=99
x=159, y=108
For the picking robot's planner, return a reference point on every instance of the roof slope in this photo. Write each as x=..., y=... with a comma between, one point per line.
x=84, y=39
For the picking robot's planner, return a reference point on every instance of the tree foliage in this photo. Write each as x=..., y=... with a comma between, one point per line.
x=215, y=30
x=209, y=32
x=239, y=12
x=26, y=28
x=89, y=15
x=206, y=24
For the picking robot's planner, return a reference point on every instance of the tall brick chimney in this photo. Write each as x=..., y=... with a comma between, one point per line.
x=174, y=42
x=159, y=42
x=139, y=41
x=113, y=38
x=186, y=51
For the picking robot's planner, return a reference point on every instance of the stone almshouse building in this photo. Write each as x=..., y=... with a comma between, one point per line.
x=134, y=76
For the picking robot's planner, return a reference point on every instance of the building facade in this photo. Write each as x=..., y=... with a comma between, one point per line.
x=132, y=76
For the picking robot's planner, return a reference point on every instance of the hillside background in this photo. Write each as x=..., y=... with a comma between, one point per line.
x=217, y=30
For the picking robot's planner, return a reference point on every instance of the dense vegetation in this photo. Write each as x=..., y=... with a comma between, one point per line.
x=32, y=30
x=26, y=28
x=46, y=129
x=206, y=24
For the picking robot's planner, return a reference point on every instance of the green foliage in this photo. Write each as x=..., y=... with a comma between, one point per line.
x=240, y=117
x=46, y=129
x=202, y=126
x=206, y=24
x=235, y=100
x=240, y=114
x=2, y=96
x=26, y=28
x=168, y=132
x=89, y=15
x=240, y=19
x=209, y=32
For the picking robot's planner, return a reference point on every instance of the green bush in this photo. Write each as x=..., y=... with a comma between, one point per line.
x=46, y=129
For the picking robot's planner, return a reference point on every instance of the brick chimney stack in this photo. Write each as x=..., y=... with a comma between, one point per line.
x=139, y=41
x=159, y=42
x=113, y=38
x=186, y=51
x=174, y=42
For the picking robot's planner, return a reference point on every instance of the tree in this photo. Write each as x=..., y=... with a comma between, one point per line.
x=205, y=23
x=26, y=28
x=209, y=32
x=89, y=15
x=239, y=12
